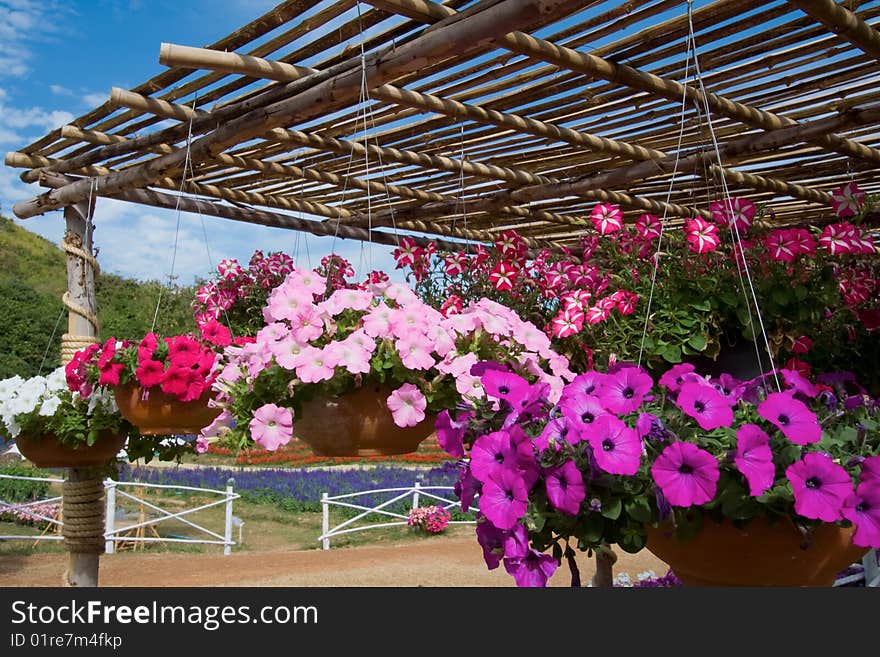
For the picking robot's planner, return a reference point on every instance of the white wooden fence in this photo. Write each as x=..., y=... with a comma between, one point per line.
x=135, y=532
x=417, y=492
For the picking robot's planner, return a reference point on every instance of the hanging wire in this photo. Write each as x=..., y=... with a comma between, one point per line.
x=729, y=206
x=186, y=163
x=663, y=220
x=51, y=339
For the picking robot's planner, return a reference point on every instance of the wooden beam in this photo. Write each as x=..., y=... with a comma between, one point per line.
x=842, y=22
x=525, y=44
x=453, y=40
x=175, y=56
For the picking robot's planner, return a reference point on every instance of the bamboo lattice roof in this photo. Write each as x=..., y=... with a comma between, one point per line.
x=463, y=119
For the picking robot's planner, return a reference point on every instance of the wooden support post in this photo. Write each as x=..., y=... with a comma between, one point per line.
x=82, y=503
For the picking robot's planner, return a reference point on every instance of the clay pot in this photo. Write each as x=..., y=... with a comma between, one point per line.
x=158, y=414
x=760, y=554
x=47, y=452
x=357, y=424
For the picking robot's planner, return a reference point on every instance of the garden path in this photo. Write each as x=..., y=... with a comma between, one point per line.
x=434, y=562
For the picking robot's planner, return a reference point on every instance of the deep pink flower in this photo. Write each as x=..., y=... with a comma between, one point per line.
x=558, y=431
x=754, y=458
x=792, y=417
x=862, y=509
x=870, y=469
x=450, y=433
x=271, y=426
x=798, y=383
x=565, y=487
x=504, y=498
x=183, y=351
x=702, y=235
x=801, y=345
x=150, y=373
x=533, y=570
x=110, y=374
x=505, y=385
x=820, y=487
x=184, y=383
x=407, y=405
x=147, y=347
x=215, y=333
x=624, y=391
x=686, y=474
x=616, y=448
x=705, y=404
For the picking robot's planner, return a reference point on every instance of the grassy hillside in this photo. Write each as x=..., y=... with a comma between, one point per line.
x=33, y=277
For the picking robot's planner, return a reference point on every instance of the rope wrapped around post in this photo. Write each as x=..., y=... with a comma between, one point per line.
x=83, y=514
x=70, y=343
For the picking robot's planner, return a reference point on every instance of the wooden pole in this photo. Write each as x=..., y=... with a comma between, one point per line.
x=453, y=40
x=84, y=551
x=842, y=22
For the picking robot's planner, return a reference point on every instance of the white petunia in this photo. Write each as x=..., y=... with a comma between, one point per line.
x=49, y=406
x=57, y=380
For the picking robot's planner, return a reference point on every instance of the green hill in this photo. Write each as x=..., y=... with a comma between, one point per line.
x=33, y=277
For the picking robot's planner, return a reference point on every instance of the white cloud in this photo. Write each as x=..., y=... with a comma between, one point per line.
x=22, y=21
x=19, y=125
x=93, y=100
x=58, y=90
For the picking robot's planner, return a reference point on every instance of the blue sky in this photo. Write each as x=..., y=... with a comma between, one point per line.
x=59, y=59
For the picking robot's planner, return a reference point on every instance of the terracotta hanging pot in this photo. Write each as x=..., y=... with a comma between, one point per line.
x=357, y=424
x=47, y=452
x=158, y=414
x=760, y=554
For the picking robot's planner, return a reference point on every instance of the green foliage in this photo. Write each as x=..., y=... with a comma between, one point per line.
x=32, y=317
x=19, y=490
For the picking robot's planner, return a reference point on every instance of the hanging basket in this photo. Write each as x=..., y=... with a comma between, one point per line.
x=357, y=424
x=760, y=554
x=158, y=414
x=47, y=451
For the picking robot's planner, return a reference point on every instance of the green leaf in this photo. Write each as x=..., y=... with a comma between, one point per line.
x=705, y=305
x=612, y=508
x=671, y=353
x=697, y=341
x=639, y=510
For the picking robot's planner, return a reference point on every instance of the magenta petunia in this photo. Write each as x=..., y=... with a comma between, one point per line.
x=820, y=487
x=674, y=377
x=467, y=487
x=498, y=451
x=505, y=385
x=492, y=540
x=754, y=458
x=730, y=388
x=798, y=383
x=450, y=433
x=516, y=542
x=558, y=431
x=565, y=487
x=862, y=509
x=624, y=391
x=504, y=499
x=533, y=570
x=582, y=411
x=616, y=448
x=870, y=469
x=797, y=422
x=584, y=384
x=686, y=474
x=705, y=404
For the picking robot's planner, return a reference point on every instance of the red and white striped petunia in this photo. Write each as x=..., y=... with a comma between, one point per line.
x=567, y=322
x=781, y=247
x=733, y=213
x=702, y=235
x=607, y=218
x=847, y=200
x=407, y=252
x=839, y=238
x=503, y=276
x=510, y=244
x=648, y=227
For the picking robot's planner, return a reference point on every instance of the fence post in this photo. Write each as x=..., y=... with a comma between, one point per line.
x=416, y=488
x=227, y=536
x=325, y=521
x=110, y=516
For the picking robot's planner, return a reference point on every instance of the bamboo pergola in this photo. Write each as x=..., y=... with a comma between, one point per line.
x=458, y=120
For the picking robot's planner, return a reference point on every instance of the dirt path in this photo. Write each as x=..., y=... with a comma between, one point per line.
x=452, y=562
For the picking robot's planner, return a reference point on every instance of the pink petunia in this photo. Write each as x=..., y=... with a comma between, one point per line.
x=306, y=280
x=286, y=351
x=797, y=422
x=407, y=405
x=754, y=458
x=820, y=487
x=686, y=474
x=307, y=323
x=312, y=365
x=272, y=426
x=702, y=235
x=415, y=351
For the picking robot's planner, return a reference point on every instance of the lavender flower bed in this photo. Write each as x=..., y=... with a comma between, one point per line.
x=300, y=489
